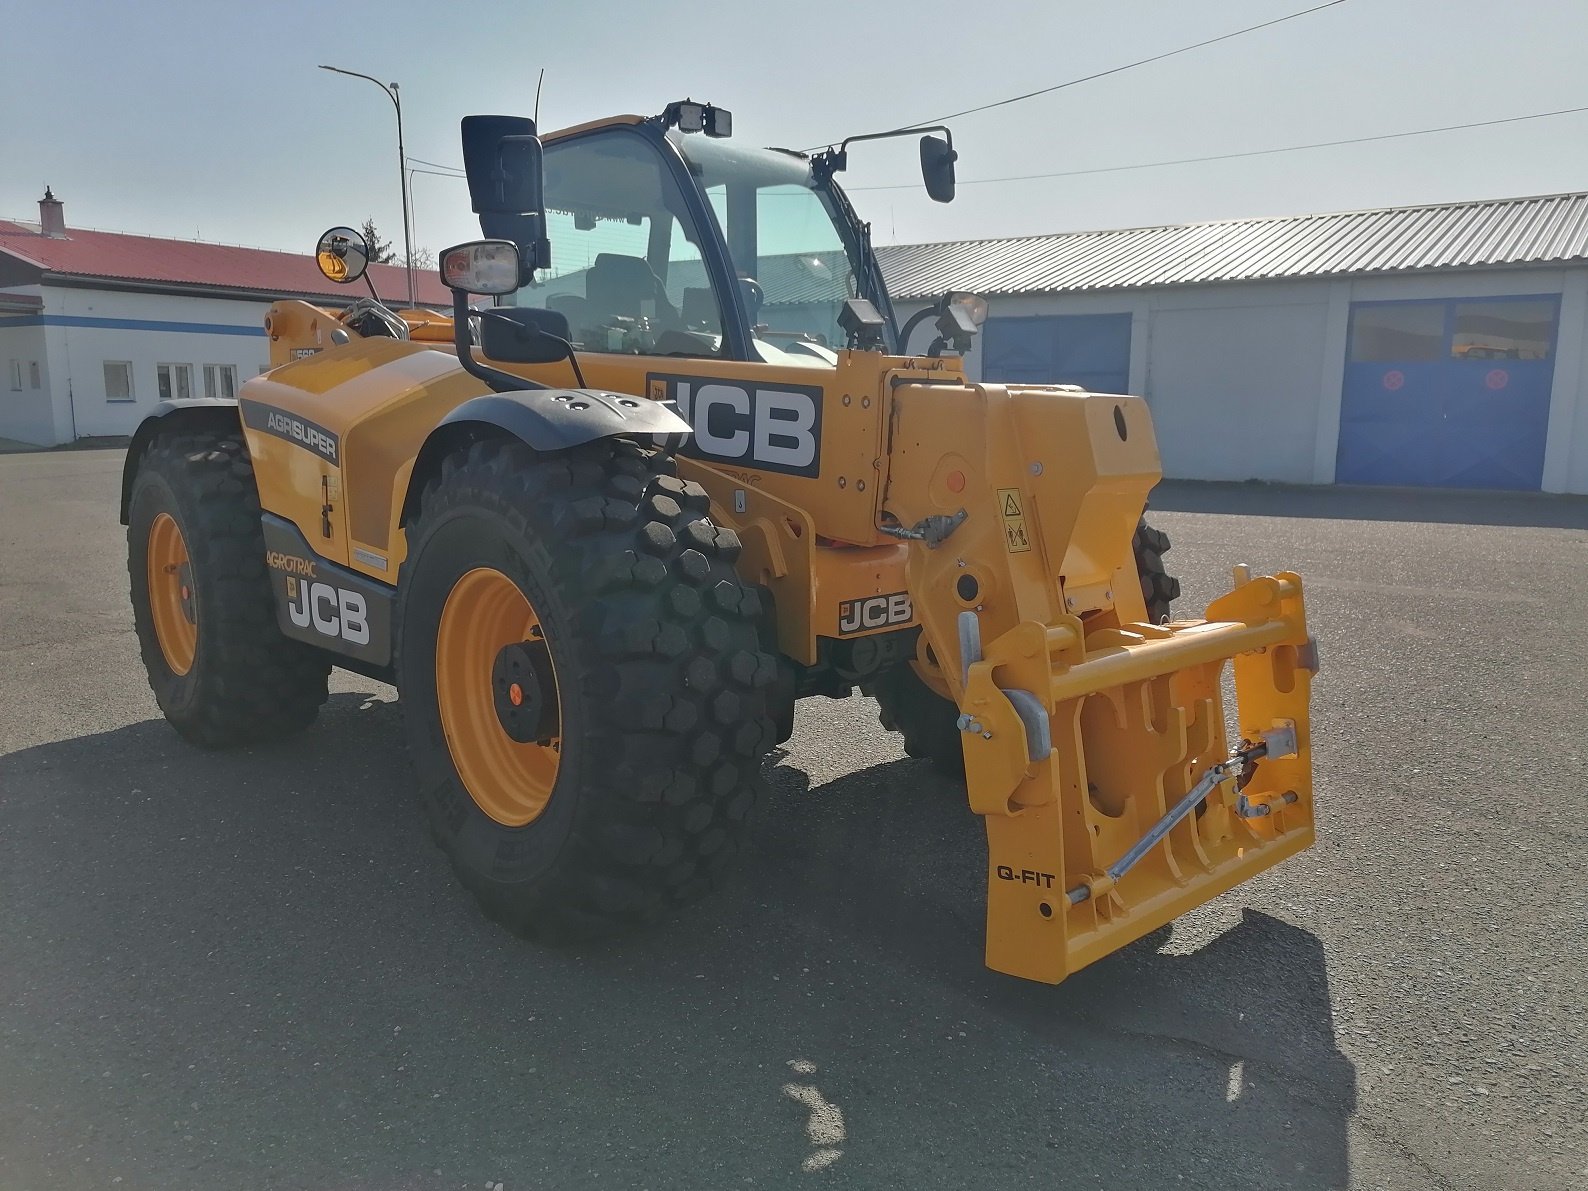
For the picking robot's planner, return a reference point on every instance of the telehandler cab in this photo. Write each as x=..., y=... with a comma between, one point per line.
x=603, y=532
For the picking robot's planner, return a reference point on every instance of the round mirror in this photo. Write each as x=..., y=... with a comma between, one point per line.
x=342, y=255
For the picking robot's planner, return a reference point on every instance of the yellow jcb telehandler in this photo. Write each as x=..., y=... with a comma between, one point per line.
x=683, y=469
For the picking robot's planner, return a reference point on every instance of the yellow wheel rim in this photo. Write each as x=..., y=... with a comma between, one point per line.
x=497, y=692
x=171, y=598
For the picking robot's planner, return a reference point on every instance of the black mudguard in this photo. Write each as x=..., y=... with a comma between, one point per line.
x=546, y=420
x=556, y=419
x=212, y=410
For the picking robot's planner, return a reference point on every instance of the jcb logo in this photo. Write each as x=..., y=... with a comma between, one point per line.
x=875, y=612
x=333, y=611
x=771, y=429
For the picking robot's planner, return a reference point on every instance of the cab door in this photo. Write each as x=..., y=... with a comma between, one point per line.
x=641, y=270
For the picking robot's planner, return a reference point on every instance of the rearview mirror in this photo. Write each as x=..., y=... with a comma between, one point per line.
x=342, y=255
x=937, y=168
x=481, y=267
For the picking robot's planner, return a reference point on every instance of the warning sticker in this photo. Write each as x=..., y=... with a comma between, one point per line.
x=1014, y=515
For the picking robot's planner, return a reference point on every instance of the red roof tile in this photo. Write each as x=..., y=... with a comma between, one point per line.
x=185, y=262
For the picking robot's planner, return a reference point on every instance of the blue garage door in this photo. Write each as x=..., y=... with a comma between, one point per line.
x=1448, y=394
x=1090, y=350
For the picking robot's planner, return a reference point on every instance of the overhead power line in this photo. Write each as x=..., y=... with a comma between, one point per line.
x=1185, y=49
x=440, y=165
x=1149, y=165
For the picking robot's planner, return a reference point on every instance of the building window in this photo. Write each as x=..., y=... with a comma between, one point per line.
x=33, y=374
x=16, y=375
x=220, y=381
x=1403, y=332
x=1503, y=330
x=176, y=381
x=118, y=380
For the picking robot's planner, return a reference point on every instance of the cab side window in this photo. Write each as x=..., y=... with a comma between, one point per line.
x=626, y=264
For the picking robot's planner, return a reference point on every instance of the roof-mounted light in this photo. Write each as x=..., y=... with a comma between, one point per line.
x=688, y=116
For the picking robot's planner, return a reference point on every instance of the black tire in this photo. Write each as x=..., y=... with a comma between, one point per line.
x=929, y=722
x=661, y=683
x=247, y=683
x=1158, y=587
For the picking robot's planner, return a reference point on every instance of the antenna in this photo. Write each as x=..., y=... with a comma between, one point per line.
x=538, y=82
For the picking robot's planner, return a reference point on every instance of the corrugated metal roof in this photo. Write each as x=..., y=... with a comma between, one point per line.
x=1545, y=228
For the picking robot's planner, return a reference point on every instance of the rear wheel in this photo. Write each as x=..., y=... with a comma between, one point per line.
x=921, y=712
x=1159, y=588
x=220, y=669
x=585, y=695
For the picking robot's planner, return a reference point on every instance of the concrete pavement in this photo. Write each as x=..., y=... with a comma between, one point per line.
x=253, y=970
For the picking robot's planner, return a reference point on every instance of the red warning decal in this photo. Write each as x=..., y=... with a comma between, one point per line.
x=1394, y=379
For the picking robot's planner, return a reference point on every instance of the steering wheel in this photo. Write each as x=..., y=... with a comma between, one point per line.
x=753, y=295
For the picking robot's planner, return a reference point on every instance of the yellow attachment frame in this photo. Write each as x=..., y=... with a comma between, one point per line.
x=1082, y=726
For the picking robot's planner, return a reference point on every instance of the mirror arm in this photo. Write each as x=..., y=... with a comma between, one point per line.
x=499, y=382
x=912, y=131
x=835, y=161
x=914, y=321
x=525, y=332
x=573, y=359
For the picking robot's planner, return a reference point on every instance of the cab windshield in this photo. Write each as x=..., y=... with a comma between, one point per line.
x=794, y=269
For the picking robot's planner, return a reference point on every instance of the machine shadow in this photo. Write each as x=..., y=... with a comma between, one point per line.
x=1443, y=506
x=1230, y=1040
x=273, y=912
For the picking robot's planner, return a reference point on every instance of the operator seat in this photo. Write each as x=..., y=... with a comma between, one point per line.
x=625, y=287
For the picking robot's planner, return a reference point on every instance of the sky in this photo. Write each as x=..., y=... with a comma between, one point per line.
x=209, y=120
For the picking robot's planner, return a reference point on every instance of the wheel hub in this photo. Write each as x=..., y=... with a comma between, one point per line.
x=184, y=579
x=519, y=686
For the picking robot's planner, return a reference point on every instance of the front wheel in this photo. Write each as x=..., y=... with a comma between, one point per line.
x=585, y=695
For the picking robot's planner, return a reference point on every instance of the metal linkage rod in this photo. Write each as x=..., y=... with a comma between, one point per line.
x=1279, y=743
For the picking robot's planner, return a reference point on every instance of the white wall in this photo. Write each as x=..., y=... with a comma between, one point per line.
x=25, y=414
x=1244, y=379
x=1233, y=375
x=1566, y=460
x=155, y=329
x=86, y=327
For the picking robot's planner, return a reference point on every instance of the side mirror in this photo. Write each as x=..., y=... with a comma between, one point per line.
x=524, y=335
x=342, y=255
x=937, y=168
x=481, y=267
x=504, y=162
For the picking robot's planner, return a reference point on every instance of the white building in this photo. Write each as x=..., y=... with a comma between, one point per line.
x=1439, y=345
x=96, y=327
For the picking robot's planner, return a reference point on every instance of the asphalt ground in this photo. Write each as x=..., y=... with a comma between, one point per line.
x=253, y=970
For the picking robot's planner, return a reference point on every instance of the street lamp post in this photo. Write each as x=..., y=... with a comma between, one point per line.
x=402, y=171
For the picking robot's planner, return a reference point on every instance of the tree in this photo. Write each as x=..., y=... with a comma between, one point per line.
x=380, y=251
x=423, y=258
